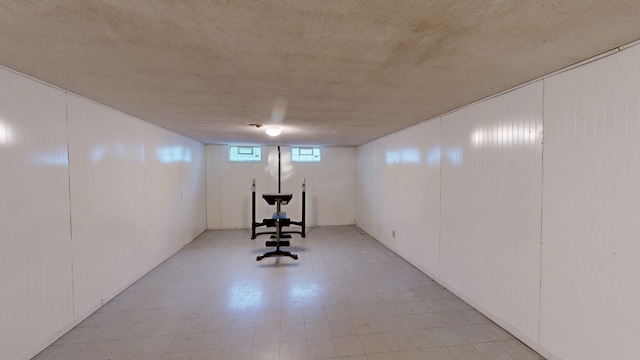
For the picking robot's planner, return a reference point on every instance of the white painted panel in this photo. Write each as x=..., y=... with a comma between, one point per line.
x=332, y=201
x=398, y=191
x=213, y=184
x=235, y=206
x=107, y=158
x=194, y=213
x=491, y=205
x=95, y=199
x=383, y=191
x=35, y=260
x=137, y=196
x=416, y=214
x=590, y=266
x=163, y=193
x=330, y=184
x=364, y=198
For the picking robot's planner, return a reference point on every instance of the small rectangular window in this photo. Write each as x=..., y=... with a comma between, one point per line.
x=305, y=154
x=245, y=154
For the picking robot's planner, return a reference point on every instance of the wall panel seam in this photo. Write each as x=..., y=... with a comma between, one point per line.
x=68, y=131
x=541, y=214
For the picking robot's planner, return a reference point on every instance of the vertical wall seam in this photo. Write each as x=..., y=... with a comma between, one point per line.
x=73, y=290
x=438, y=274
x=206, y=187
x=541, y=213
x=221, y=159
x=369, y=186
x=183, y=207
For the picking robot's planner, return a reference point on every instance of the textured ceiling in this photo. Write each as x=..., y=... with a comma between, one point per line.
x=344, y=71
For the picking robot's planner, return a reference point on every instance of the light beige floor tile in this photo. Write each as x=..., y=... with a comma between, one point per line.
x=382, y=356
x=267, y=335
x=318, y=330
x=322, y=348
x=294, y=350
x=293, y=332
x=342, y=328
x=240, y=337
x=348, y=346
x=347, y=297
x=177, y=356
x=265, y=352
x=375, y=343
x=213, y=339
x=401, y=340
x=207, y=354
x=236, y=353
x=492, y=351
x=366, y=326
x=465, y=352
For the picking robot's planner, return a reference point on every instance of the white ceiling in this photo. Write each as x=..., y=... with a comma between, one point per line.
x=345, y=71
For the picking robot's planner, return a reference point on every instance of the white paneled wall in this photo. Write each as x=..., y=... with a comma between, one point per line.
x=36, y=297
x=92, y=200
x=384, y=189
x=330, y=193
x=553, y=258
x=591, y=252
x=364, y=198
x=193, y=181
x=399, y=193
x=491, y=198
x=462, y=195
x=108, y=177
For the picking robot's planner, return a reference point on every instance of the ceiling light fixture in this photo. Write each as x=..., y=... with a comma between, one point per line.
x=273, y=131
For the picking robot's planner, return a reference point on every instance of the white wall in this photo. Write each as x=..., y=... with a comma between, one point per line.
x=92, y=199
x=398, y=190
x=591, y=251
x=463, y=195
x=36, y=298
x=330, y=193
x=491, y=196
x=552, y=259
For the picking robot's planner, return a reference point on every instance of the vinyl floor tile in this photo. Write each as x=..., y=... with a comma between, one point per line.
x=347, y=297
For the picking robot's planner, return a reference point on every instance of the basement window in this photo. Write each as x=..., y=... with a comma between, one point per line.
x=305, y=154
x=245, y=154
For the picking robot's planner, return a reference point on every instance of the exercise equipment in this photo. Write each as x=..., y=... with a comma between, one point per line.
x=283, y=220
x=279, y=220
x=277, y=199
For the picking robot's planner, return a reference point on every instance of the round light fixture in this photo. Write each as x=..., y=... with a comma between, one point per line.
x=273, y=131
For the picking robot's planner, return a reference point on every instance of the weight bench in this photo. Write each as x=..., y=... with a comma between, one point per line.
x=277, y=199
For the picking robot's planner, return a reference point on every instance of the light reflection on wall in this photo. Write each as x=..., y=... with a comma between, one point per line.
x=119, y=149
x=244, y=297
x=404, y=156
x=6, y=135
x=98, y=153
x=454, y=155
x=54, y=158
x=286, y=166
x=173, y=154
x=506, y=134
x=392, y=157
x=433, y=158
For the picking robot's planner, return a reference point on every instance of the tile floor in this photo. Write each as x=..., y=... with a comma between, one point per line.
x=347, y=297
